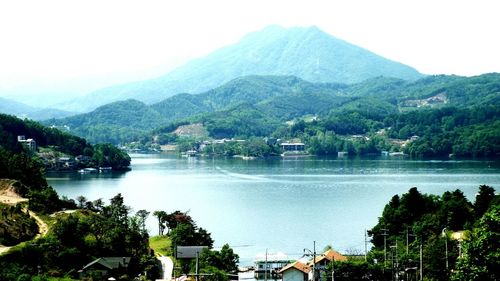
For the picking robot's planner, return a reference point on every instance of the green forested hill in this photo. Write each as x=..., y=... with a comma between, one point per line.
x=115, y=122
x=269, y=101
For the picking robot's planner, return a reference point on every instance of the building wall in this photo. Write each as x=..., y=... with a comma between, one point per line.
x=294, y=275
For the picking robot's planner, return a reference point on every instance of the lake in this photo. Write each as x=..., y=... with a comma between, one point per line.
x=282, y=205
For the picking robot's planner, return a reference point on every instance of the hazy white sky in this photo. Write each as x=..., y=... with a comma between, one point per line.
x=69, y=39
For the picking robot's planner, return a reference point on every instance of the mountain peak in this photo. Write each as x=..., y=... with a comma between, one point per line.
x=305, y=52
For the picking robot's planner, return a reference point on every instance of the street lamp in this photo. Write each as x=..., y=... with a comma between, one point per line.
x=443, y=233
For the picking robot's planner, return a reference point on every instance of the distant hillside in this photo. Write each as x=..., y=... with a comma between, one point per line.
x=8, y=106
x=21, y=110
x=307, y=53
x=277, y=99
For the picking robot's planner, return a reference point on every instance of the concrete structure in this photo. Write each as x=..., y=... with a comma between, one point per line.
x=292, y=146
x=29, y=143
x=270, y=264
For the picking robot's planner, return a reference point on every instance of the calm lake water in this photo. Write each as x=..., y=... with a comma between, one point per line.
x=281, y=204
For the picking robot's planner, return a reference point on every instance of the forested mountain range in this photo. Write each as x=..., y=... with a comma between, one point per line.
x=307, y=53
x=268, y=102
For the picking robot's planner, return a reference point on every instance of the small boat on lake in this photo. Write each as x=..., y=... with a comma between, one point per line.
x=88, y=171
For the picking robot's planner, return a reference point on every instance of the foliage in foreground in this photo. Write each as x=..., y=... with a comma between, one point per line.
x=481, y=250
x=79, y=238
x=183, y=231
x=430, y=221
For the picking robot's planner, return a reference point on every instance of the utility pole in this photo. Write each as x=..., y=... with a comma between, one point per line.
x=313, y=254
x=385, y=246
x=197, y=266
x=366, y=240
x=421, y=271
x=265, y=268
x=333, y=268
x=314, y=260
x=407, y=239
x=397, y=265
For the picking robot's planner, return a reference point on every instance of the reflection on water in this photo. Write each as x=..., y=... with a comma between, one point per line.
x=279, y=204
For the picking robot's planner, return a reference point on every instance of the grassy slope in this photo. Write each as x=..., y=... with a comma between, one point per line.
x=161, y=245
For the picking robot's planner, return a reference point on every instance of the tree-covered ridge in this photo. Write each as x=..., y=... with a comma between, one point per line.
x=248, y=89
x=101, y=155
x=244, y=120
x=462, y=132
x=11, y=127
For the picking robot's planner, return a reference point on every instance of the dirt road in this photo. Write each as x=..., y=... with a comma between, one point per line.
x=10, y=197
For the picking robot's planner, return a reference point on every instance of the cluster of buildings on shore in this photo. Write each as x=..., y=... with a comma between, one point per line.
x=55, y=161
x=278, y=266
x=295, y=147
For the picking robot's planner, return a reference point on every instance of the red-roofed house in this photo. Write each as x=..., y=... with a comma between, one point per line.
x=296, y=271
x=326, y=258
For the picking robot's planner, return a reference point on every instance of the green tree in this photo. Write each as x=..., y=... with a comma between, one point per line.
x=224, y=260
x=117, y=210
x=177, y=217
x=484, y=198
x=161, y=216
x=354, y=270
x=142, y=216
x=81, y=201
x=183, y=235
x=456, y=211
